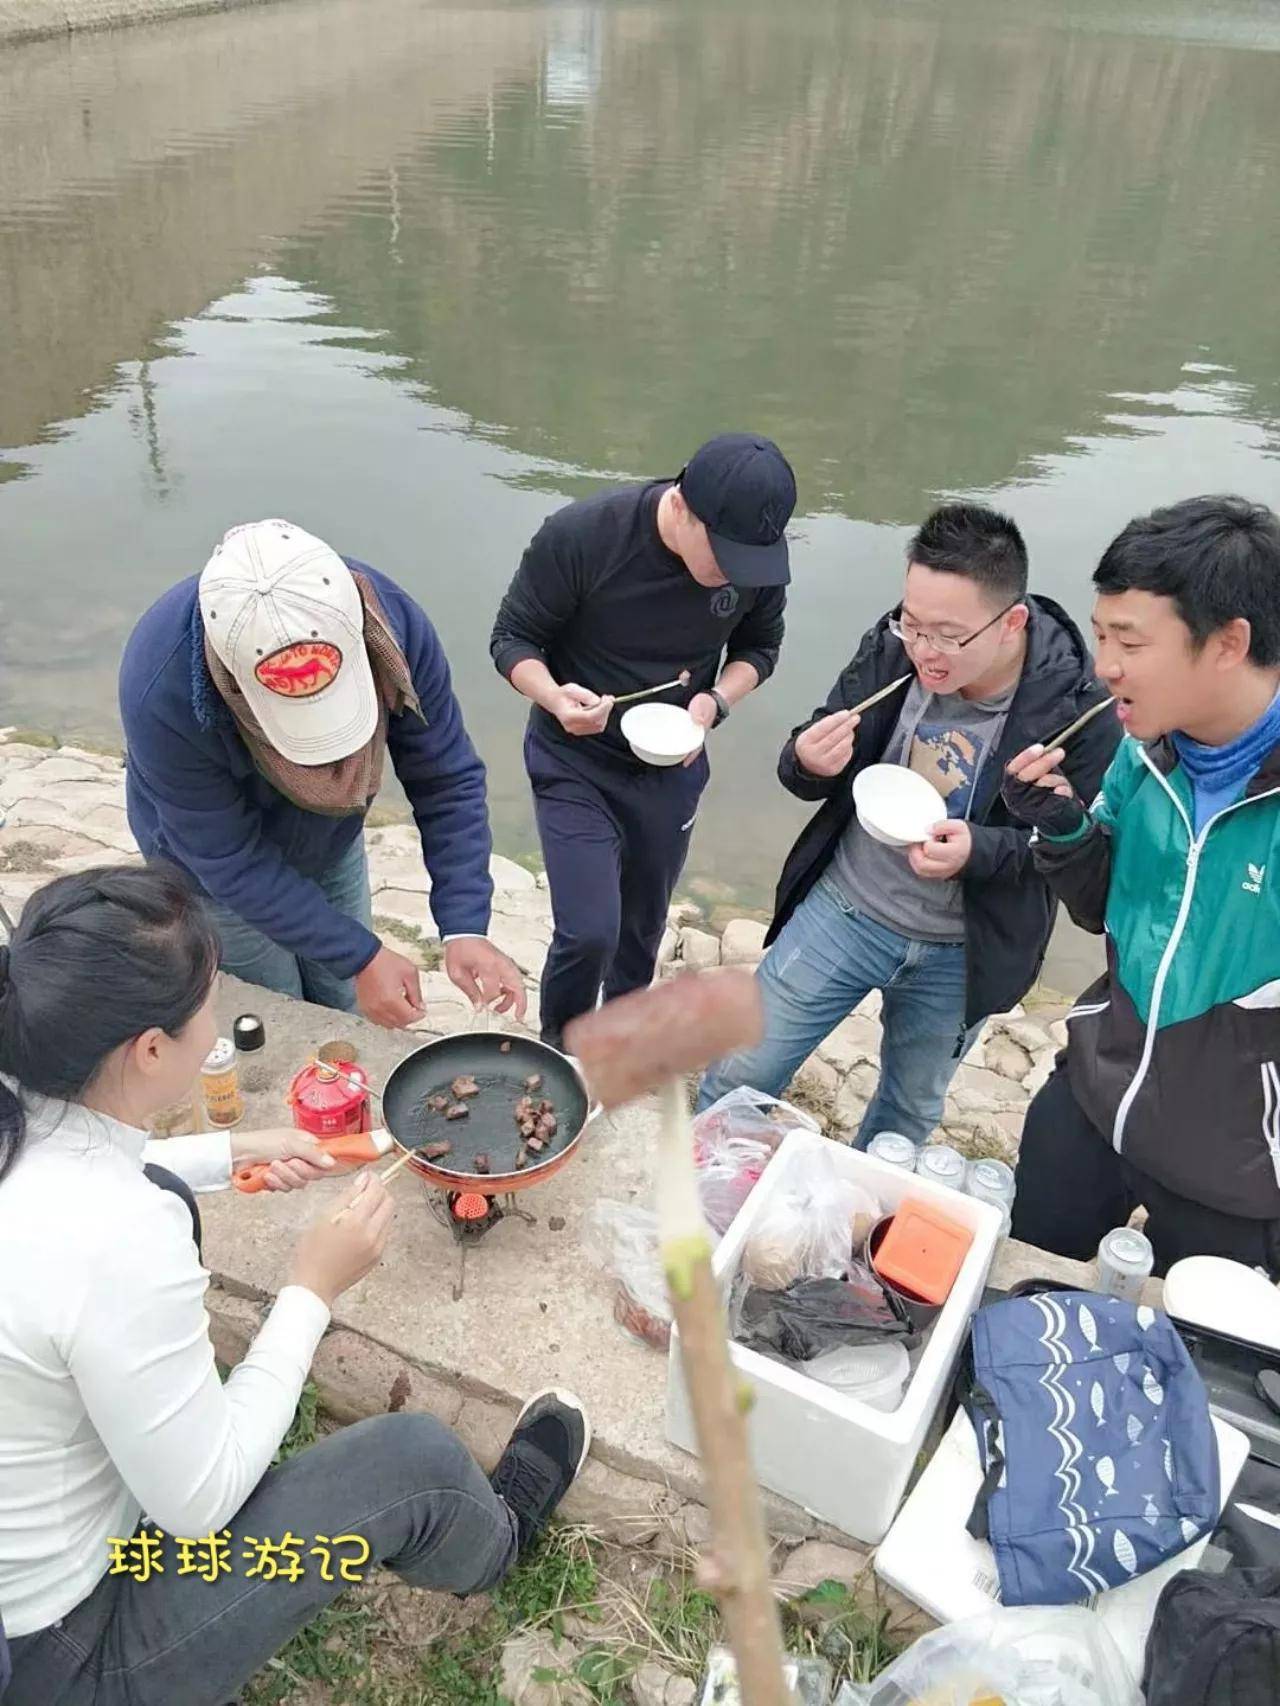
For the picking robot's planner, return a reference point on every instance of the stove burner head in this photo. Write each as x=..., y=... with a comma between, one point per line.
x=470, y=1214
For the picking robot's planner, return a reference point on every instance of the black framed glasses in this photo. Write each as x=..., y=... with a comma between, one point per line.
x=910, y=635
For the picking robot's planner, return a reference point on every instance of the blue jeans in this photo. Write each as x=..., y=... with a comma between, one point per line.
x=249, y=954
x=826, y=960
x=404, y=1484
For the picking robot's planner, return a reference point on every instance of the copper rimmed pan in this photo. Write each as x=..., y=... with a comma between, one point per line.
x=500, y=1065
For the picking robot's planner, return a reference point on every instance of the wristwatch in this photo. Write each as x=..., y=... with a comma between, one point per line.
x=722, y=707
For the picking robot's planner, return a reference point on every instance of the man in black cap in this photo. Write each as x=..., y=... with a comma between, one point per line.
x=615, y=595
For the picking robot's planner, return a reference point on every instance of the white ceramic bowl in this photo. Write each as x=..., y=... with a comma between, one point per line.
x=661, y=734
x=896, y=805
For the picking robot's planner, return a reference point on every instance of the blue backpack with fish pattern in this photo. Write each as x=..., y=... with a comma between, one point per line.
x=1099, y=1454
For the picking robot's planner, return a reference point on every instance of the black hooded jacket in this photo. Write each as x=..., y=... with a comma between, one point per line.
x=1008, y=908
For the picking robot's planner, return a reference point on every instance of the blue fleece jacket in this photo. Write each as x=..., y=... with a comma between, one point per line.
x=196, y=798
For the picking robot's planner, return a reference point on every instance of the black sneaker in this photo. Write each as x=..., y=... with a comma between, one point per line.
x=546, y=1451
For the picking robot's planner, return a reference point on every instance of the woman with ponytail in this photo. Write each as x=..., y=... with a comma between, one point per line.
x=112, y=1414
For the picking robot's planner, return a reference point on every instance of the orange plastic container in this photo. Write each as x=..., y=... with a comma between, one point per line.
x=922, y=1251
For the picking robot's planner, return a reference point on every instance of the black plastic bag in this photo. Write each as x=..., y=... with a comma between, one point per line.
x=813, y=1316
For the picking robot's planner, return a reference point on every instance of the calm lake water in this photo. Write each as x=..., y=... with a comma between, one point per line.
x=415, y=274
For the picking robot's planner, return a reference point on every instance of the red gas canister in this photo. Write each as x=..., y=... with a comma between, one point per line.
x=329, y=1105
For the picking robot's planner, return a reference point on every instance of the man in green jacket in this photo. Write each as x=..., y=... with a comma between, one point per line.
x=1169, y=1091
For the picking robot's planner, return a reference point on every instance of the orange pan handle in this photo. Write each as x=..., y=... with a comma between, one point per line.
x=356, y=1149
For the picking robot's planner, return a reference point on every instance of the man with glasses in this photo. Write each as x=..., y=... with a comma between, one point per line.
x=954, y=928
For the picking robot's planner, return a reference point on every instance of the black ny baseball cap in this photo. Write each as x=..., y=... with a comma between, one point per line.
x=743, y=491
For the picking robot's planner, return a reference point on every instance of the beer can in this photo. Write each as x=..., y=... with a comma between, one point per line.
x=941, y=1163
x=220, y=1085
x=893, y=1147
x=992, y=1182
x=1125, y=1263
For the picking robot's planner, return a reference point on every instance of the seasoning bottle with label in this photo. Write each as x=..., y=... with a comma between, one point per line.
x=220, y=1085
x=249, y=1035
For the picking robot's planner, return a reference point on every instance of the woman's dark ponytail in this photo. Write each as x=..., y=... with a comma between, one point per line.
x=96, y=959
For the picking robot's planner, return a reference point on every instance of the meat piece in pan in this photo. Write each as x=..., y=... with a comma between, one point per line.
x=437, y=1104
x=457, y=1111
x=534, y=1081
x=464, y=1087
x=504, y=1048
x=480, y=1163
x=436, y=1151
x=547, y=1127
x=525, y=1110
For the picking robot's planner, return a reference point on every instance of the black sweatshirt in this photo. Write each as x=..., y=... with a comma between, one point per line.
x=603, y=603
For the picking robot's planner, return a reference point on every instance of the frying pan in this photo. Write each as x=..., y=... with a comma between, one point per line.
x=490, y=1126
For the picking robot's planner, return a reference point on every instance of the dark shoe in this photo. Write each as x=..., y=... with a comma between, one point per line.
x=553, y=1037
x=543, y=1458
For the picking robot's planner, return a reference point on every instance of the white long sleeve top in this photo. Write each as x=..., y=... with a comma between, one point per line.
x=110, y=1403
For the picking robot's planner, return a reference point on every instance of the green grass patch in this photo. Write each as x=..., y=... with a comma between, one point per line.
x=430, y=952
x=830, y=1623
x=304, y=1428
x=31, y=737
x=628, y=1608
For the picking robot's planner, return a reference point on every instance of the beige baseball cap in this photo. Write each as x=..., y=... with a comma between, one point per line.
x=282, y=611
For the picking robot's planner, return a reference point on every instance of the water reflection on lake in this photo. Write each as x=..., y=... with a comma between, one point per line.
x=414, y=274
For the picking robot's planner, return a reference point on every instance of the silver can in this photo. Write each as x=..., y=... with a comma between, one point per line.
x=993, y=1182
x=893, y=1147
x=1125, y=1263
x=942, y=1164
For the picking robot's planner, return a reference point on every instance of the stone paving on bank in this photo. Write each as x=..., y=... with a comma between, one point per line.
x=62, y=809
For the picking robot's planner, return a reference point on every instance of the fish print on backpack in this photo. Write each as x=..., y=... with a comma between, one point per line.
x=1088, y=1326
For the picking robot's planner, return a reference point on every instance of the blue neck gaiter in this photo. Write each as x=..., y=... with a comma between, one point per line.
x=1219, y=774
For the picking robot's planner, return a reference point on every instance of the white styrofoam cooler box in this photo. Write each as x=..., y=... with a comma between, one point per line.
x=844, y=1462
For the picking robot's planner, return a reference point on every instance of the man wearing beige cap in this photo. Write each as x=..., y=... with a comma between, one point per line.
x=260, y=702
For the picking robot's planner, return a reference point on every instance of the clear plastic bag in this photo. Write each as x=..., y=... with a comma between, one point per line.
x=622, y=1239
x=1032, y=1656
x=733, y=1142
x=873, y=1374
x=809, y=1229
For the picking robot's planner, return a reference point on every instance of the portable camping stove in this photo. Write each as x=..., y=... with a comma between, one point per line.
x=469, y=1215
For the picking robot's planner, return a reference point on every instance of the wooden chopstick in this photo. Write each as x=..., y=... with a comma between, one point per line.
x=399, y=1162
x=681, y=680
x=882, y=694
x=1074, y=728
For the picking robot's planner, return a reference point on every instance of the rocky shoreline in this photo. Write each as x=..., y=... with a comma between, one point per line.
x=36, y=20
x=62, y=809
